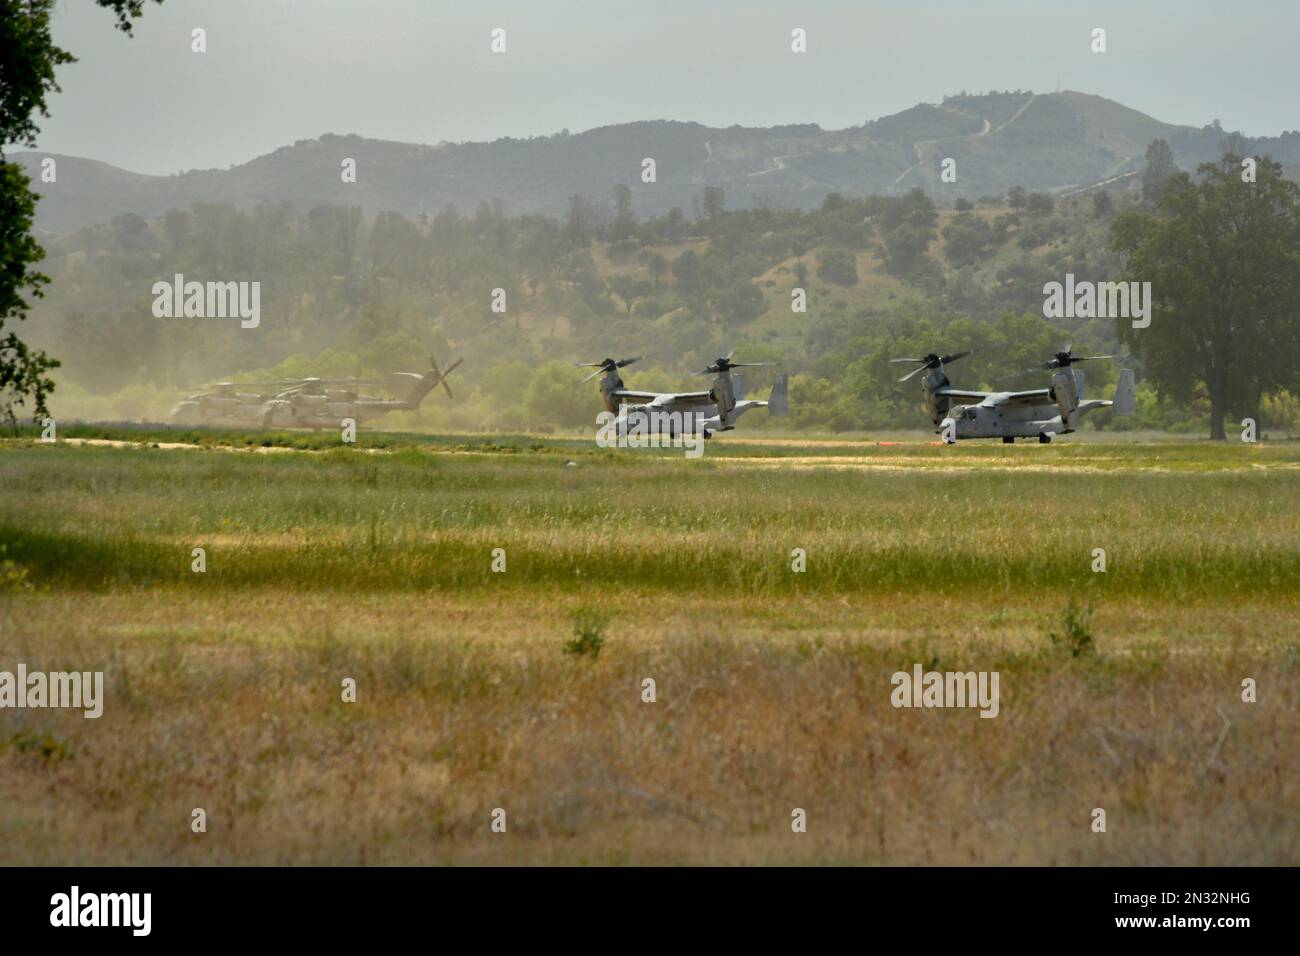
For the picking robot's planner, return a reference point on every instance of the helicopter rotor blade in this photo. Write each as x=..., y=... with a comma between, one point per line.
x=442, y=380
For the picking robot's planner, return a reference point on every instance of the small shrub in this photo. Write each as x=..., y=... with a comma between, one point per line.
x=588, y=634
x=13, y=576
x=1074, y=637
x=45, y=745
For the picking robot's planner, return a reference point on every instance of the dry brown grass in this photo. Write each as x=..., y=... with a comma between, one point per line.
x=230, y=701
x=223, y=689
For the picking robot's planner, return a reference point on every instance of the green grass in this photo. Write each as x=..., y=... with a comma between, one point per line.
x=1208, y=523
x=523, y=689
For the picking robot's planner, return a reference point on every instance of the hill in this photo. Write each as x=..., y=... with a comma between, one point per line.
x=1051, y=142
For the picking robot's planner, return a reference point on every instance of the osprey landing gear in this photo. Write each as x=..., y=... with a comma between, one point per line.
x=1008, y=439
x=1044, y=439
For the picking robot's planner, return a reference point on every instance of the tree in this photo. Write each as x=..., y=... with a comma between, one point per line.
x=23, y=373
x=1160, y=166
x=676, y=226
x=714, y=197
x=1223, y=260
x=622, y=194
x=1002, y=224
x=28, y=58
x=968, y=239
x=657, y=265
x=580, y=224
x=1039, y=204
x=688, y=271
x=913, y=209
x=624, y=224
x=905, y=248
x=832, y=202
x=1102, y=204
x=838, y=266
x=556, y=396
x=738, y=303
x=1235, y=143
x=630, y=289
x=1017, y=197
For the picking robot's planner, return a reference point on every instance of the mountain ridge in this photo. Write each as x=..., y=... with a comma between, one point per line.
x=1048, y=141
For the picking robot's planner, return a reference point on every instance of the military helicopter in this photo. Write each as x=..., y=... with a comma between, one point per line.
x=1037, y=413
x=716, y=410
x=314, y=403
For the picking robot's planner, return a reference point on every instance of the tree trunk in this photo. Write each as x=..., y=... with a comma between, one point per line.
x=1216, y=421
x=1217, y=409
x=1256, y=399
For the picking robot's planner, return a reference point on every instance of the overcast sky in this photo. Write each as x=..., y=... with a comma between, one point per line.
x=276, y=71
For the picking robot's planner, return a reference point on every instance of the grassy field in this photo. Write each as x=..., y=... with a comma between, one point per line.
x=523, y=689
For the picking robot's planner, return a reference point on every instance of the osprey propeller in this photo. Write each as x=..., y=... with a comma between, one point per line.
x=1064, y=360
x=1068, y=358
x=608, y=365
x=930, y=361
x=726, y=365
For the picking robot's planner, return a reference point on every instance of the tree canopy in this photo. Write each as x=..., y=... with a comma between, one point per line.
x=1223, y=258
x=28, y=59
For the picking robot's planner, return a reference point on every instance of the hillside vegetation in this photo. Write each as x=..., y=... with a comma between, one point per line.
x=1045, y=141
x=347, y=294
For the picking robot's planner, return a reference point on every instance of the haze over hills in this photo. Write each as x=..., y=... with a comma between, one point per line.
x=1049, y=142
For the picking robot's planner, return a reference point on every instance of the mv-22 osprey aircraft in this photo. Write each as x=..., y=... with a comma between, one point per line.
x=716, y=410
x=1037, y=413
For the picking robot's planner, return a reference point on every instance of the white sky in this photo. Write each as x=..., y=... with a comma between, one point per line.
x=420, y=70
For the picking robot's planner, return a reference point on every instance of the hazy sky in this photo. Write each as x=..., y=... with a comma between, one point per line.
x=276, y=71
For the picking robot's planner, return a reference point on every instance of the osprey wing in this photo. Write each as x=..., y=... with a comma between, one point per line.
x=1033, y=396
x=677, y=400
x=639, y=398
x=682, y=400
x=963, y=395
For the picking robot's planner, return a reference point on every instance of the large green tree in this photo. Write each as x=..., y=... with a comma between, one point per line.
x=1160, y=167
x=28, y=58
x=1222, y=255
